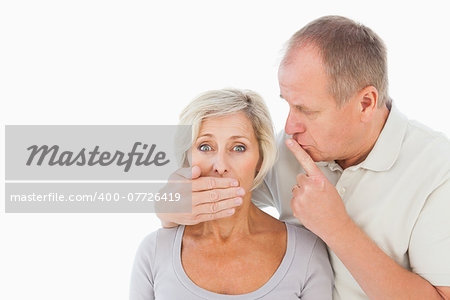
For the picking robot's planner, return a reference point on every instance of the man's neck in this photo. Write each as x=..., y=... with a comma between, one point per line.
x=373, y=132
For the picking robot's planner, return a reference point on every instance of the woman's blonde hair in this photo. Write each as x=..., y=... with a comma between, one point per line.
x=225, y=102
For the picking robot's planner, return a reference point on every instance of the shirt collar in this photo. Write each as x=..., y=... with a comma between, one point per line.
x=389, y=143
x=387, y=147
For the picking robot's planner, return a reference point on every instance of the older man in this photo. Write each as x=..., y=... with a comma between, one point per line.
x=379, y=194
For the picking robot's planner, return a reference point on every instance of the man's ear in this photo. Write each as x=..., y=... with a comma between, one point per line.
x=368, y=99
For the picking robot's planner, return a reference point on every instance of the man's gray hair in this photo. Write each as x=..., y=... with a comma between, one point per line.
x=353, y=55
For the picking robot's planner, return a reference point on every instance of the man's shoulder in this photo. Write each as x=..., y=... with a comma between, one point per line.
x=424, y=154
x=418, y=130
x=425, y=143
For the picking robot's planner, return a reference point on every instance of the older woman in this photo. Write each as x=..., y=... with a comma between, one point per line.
x=249, y=255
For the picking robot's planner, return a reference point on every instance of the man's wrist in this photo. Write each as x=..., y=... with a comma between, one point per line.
x=344, y=232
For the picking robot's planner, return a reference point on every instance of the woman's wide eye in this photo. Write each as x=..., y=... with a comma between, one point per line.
x=204, y=147
x=239, y=148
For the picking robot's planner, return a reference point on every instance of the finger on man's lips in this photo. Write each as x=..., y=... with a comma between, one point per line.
x=303, y=158
x=208, y=183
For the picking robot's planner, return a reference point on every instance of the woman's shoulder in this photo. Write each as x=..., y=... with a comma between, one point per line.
x=302, y=234
x=307, y=242
x=160, y=238
x=311, y=256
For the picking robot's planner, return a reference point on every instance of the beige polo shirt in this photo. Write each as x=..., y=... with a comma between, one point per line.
x=399, y=196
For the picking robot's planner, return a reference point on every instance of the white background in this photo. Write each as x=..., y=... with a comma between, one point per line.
x=140, y=62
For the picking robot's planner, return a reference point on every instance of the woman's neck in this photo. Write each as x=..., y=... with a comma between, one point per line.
x=241, y=223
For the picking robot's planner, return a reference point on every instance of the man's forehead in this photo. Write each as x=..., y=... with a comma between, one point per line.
x=299, y=104
x=304, y=76
x=302, y=67
x=304, y=51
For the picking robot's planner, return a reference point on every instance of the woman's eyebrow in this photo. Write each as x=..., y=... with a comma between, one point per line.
x=235, y=137
x=205, y=135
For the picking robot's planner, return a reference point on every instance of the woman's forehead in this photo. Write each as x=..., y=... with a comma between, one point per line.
x=232, y=125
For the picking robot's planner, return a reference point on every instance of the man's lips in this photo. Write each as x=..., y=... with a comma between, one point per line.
x=306, y=146
x=301, y=144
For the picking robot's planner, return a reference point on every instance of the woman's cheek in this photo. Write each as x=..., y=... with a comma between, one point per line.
x=247, y=172
x=201, y=162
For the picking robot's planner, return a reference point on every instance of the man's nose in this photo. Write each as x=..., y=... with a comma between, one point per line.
x=220, y=163
x=294, y=124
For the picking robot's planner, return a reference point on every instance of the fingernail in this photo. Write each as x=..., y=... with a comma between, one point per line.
x=234, y=183
x=238, y=201
x=240, y=192
x=231, y=211
x=289, y=142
